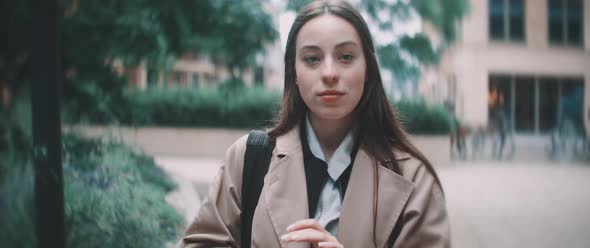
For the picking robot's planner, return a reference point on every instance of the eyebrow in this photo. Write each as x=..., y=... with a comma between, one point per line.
x=341, y=44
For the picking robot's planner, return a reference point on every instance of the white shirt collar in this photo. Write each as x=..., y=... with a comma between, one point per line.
x=341, y=158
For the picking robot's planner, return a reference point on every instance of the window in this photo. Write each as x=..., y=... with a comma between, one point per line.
x=565, y=22
x=524, y=105
x=179, y=78
x=536, y=103
x=153, y=77
x=259, y=75
x=176, y=77
x=195, y=80
x=549, y=101
x=208, y=79
x=506, y=20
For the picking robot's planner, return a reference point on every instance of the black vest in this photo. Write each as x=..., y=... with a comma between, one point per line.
x=316, y=173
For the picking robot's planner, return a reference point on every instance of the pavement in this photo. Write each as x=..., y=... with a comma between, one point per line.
x=518, y=204
x=490, y=203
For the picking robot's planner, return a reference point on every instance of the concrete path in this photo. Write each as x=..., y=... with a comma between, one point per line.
x=490, y=204
x=518, y=205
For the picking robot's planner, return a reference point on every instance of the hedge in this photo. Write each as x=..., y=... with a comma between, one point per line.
x=114, y=197
x=420, y=118
x=245, y=108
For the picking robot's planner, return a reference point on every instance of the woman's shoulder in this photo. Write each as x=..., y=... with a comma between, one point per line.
x=427, y=187
x=236, y=151
x=238, y=148
x=414, y=169
x=233, y=160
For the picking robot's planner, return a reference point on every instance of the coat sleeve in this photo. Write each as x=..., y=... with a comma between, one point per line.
x=218, y=222
x=426, y=222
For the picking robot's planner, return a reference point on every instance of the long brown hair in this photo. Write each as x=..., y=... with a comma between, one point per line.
x=379, y=131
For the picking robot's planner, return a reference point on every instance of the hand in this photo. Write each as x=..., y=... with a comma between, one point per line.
x=310, y=231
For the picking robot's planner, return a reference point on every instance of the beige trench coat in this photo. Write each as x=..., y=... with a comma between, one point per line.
x=284, y=200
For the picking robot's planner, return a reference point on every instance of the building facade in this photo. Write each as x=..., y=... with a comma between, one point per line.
x=529, y=59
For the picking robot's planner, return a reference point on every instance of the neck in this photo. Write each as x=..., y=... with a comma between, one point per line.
x=330, y=133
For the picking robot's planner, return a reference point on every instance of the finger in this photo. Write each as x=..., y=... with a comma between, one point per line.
x=330, y=245
x=307, y=235
x=303, y=224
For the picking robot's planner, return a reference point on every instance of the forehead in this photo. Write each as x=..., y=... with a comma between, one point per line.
x=326, y=31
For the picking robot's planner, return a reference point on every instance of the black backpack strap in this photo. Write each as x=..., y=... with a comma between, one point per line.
x=397, y=229
x=256, y=162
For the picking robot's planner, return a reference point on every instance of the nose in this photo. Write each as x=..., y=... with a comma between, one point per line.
x=330, y=74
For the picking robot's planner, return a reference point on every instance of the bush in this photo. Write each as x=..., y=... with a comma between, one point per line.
x=239, y=108
x=208, y=107
x=17, y=222
x=204, y=108
x=114, y=197
x=420, y=118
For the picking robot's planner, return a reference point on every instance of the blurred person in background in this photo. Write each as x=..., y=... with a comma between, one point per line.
x=342, y=172
x=498, y=121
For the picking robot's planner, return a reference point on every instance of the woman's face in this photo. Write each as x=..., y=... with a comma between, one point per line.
x=330, y=67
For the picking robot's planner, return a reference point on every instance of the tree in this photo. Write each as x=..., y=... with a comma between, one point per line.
x=154, y=32
x=404, y=56
x=244, y=28
x=15, y=28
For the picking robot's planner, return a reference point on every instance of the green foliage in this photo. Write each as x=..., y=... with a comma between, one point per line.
x=252, y=108
x=17, y=222
x=99, y=96
x=15, y=134
x=390, y=57
x=114, y=197
x=15, y=30
x=155, y=31
x=204, y=107
x=419, y=46
x=417, y=49
x=297, y=5
x=241, y=108
x=16, y=176
x=420, y=118
x=152, y=32
x=444, y=15
x=244, y=27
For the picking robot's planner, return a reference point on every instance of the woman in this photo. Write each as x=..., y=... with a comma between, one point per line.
x=342, y=173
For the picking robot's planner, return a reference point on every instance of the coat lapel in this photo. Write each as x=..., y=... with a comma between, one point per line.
x=286, y=195
x=356, y=218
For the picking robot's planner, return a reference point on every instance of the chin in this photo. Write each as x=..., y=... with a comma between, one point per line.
x=332, y=114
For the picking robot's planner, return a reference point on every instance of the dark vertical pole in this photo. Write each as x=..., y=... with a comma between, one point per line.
x=46, y=65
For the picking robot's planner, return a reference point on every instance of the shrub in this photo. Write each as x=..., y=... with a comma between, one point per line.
x=17, y=222
x=114, y=197
x=420, y=118
x=205, y=107
x=245, y=107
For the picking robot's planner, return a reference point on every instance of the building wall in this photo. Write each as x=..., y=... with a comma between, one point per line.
x=474, y=57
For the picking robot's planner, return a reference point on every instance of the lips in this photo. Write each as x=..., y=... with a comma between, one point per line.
x=330, y=96
x=331, y=93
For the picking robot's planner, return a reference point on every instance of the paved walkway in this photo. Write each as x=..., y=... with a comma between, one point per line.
x=518, y=204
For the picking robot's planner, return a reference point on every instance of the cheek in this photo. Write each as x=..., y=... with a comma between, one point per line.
x=358, y=93
x=357, y=84
x=304, y=81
